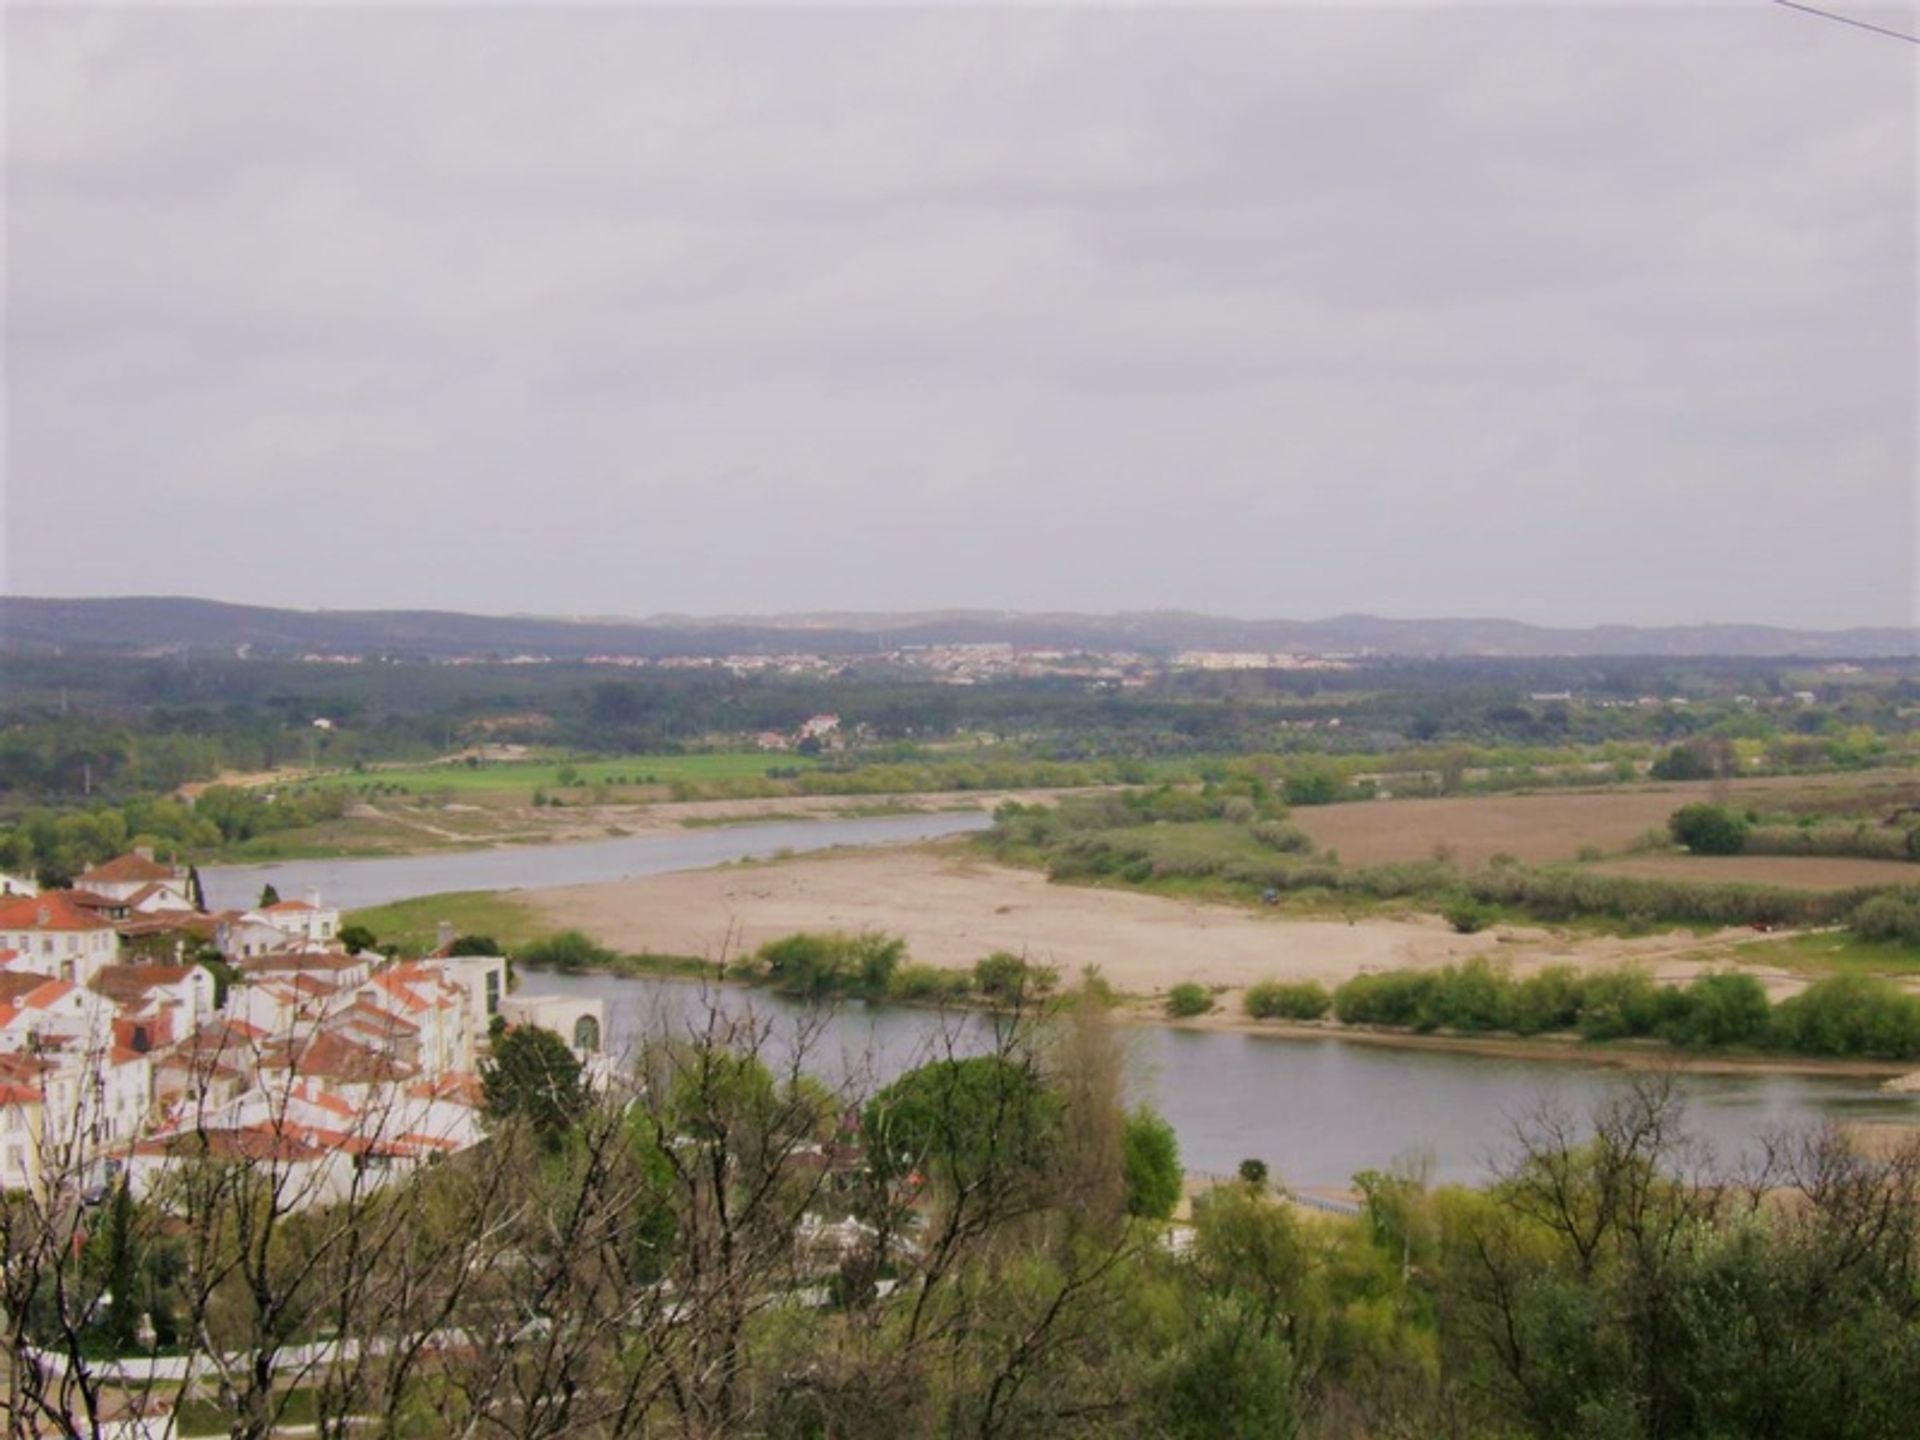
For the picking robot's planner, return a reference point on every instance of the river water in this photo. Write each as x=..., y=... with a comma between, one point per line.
x=1316, y=1110
x=356, y=884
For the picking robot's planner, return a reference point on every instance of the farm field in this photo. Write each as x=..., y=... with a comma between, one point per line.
x=1791, y=872
x=1547, y=827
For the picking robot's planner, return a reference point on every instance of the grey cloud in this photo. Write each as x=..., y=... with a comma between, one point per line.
x=1570, y=314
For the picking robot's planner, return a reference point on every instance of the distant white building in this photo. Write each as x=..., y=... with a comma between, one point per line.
x=138, y=874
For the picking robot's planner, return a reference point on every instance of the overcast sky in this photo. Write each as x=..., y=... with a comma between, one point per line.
x=1565, y=314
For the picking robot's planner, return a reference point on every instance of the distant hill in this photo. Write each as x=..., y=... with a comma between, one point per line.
x=174, y=625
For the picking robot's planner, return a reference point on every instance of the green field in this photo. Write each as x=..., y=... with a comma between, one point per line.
x=1833, y=952
x=411, y=926
x=546, y=774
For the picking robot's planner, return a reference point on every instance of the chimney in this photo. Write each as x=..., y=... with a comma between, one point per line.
x=44, y=916
x=145, y=852
x=313, y=896
x=445, y=933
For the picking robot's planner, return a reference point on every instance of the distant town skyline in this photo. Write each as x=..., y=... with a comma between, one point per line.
x=1567, y=315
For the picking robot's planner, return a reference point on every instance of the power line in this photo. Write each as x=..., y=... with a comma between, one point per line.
x=1849, y=20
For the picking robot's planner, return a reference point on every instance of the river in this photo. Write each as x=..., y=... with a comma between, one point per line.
x=356, y=884
x=1316, y=1110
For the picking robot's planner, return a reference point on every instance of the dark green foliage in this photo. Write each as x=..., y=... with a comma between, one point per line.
x=1153, y=1168
x=1253, y=1172
x=1284, y=1000
x=1720, y=1009
x=268, y=895
x=1708, y=829
x=1685, y=762
x=1186, y=1001
x=984, y=1121
x=1312, y=785
x=357, y=938
x=532, y=1076
x=475, y=945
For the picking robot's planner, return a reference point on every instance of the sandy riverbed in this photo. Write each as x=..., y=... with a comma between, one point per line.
x=953, y=908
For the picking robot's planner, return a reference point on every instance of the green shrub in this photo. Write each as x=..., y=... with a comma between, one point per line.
x=1546, y=1001
x=1619, y=1004
x=1468, y=916
x=1283, y=1000
x=1286, y=838
x=1399, y=998
x=1850, y=1015
x=1893, y=916
x=1311, y=785
x=814, y=966
x=1708, y=829
x=926, y=983
x=1007, y=979
x=569, y=950
x=1720, y=1008
x=1187, y=1000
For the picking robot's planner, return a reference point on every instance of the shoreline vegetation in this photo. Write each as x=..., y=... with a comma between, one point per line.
x=874, y=970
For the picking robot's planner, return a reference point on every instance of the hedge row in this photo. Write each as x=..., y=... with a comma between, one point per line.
x=1845, y=1016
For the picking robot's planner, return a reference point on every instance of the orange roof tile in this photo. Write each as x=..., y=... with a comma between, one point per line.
x=52, y=911
x=125, y=868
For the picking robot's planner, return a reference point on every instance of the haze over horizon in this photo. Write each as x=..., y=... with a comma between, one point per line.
x=1593, y=315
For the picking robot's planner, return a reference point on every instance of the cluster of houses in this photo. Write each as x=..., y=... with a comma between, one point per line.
x=121, y=1055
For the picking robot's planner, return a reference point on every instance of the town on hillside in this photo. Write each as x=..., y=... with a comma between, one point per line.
x=122, y=1055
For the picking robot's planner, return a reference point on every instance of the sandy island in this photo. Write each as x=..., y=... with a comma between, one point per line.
x=952, y=908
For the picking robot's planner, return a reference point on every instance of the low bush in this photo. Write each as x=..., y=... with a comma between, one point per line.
x=928, y=983
x=1187, y=1000
x=1286, y=838
x=1893, y=916
x=1468, y=916
x=569, y=950
x=1007, y=979
x=1708, y=829
x=814, y=966
x=1849, y=1015
x=1283, y=1000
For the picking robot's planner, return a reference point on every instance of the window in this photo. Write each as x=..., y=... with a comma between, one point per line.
x=493, y=992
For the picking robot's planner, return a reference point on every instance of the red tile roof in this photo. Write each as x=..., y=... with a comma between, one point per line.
x=123, y=869
x=52, y=911
x=328, y=1056
x=127, y=984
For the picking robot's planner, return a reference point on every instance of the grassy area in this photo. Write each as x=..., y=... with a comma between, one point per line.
x=1832, y=952
x=557, y=774
x=411, y=925
x=206, y=1417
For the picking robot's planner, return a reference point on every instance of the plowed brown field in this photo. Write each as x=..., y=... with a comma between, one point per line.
x=1543, y=827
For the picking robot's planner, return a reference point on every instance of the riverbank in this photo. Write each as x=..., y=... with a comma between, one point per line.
x=1559, y=1050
